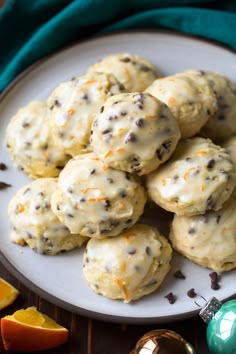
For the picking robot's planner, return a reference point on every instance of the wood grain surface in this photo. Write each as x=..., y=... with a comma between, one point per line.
x=88, y=336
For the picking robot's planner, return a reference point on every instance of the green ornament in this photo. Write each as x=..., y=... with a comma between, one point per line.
x=221, y=328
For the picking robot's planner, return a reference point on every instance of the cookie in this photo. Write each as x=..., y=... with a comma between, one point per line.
x=199, y=176
x=129, y=266
x=33, y=222
x=96, y=201
x=223, y=123
x=210, y=239
x=133, y=71
x=190, y=98
x=134, y=132
x=74, y=104
x=30, y=143
x=230, y=146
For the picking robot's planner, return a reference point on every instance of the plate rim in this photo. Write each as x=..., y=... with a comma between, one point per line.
x=20, y=276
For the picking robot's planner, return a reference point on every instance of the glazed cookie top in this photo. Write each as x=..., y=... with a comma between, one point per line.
x=97, y=201
x=32, y=220
x=134, y=132
x=30, y=142
x=133, y=71
x=134, y=261
x=74, y=104
x=208, y=239
x=190, y=98
x=223, y=123
x=200, y=176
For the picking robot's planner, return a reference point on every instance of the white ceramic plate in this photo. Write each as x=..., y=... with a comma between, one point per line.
x=59, y=279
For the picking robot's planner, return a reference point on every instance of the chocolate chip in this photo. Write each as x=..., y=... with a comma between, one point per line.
x=25, y=125
x=4, y=185
x=215, y=285
x=101, y=109
x=130, y=138
x=148, y=251
x=214, y=276
x=131, y=250
x=160, y=153
x=57, y=103
x=26, y=191
x=170, y=297
x=218, y=217
x=93, y=171
x=125, y=59
x=139, y=122
x=3, y=167
x=179, y=275
x=210, y=203
x=110, y=180
x=167, y=144
x=200, y=73
x=82, y=200
x=211, y=164
x=107, y=204
x=191, y=231
x=123, y=113
x=106, y=131
x=144, y=68
x=123, y=193
x=191, y=293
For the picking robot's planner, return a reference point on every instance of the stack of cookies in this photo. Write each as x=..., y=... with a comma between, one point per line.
x=102, y=145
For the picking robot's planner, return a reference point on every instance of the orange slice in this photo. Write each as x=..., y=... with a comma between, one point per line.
x=29, y=330
x=8, y=294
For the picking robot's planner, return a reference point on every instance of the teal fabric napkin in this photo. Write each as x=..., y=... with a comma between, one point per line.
x=31, y=29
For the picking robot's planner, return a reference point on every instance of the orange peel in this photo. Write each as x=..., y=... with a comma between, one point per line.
x=29, y=330
x=8, y=294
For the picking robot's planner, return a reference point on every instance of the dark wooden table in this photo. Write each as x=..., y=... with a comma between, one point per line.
x=89, y=336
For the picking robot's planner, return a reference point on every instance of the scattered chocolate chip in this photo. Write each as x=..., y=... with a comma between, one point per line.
x=123, y=193
x=214, y=276
x=93, y=171
x=107, y=204
x=82, y=200
x=200, y=73
x=170, y=297
x=148, y=251
x=160, y=153
x=179, y=275
x=215, y=285
x=123, y=113
x=4, y=185
x=3, y=167
x=101, y=109
x=191, y=293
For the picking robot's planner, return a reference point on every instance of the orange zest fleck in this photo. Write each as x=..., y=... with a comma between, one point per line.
x=95, y=158
x=188, y=172
x=20, y=208
x=202, y=153
x=119, y=150
x=71, y=111
x=122, y=286
x=89, y=82
x=97, y=199
x=109, y=153
x=171, y=101
x=86, y=190
x=127, y=73
x=45, y=154
x=202, y=188
x=121, y=130
x=149, y=116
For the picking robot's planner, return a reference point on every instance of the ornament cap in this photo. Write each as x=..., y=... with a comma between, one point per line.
x=210, y=309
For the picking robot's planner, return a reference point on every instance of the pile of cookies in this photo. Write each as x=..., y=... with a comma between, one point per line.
x=104, y=144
